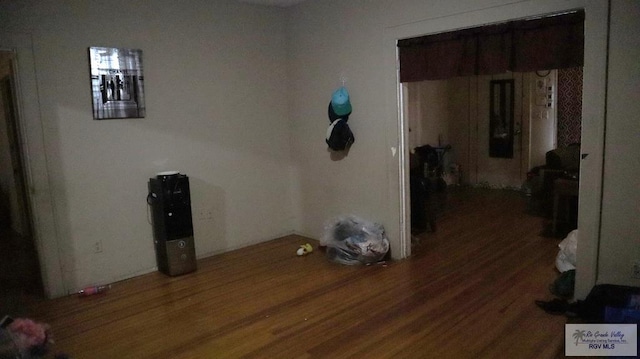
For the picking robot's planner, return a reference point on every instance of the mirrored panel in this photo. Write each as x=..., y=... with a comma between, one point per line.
x=501, y=119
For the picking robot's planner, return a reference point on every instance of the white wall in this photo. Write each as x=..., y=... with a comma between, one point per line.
x=215, y=83
x=330, y=40
x=620, y=242
x=428, y=113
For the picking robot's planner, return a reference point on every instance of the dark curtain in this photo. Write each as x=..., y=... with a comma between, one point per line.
x=438, y=57
x=495, y=45
x=553, y=42
x=550, y=43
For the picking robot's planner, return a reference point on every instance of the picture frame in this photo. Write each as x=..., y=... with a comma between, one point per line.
x=117, y=83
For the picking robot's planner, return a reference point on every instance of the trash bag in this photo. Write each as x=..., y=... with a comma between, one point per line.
x=352, y=240
x=566, y=258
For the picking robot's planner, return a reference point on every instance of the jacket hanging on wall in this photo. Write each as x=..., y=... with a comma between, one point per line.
x=339, y=136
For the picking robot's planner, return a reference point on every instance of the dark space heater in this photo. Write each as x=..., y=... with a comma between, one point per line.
x=170, y=203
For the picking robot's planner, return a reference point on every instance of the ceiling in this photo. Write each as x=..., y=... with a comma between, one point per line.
x=279, y=3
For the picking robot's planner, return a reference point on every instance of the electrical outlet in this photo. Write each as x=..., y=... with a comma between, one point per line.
x=636, y=270
x=205, y=214
x=97, y=247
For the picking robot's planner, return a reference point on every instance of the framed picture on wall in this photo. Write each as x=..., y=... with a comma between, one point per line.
x=117, y=83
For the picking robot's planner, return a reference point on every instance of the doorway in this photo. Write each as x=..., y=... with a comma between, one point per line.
x=500, y=98
x=20, y=271
x=593, y=110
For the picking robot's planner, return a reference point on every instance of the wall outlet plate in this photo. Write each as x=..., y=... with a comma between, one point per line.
x=205, y=214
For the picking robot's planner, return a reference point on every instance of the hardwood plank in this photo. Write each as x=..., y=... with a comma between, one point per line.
x=467, y=292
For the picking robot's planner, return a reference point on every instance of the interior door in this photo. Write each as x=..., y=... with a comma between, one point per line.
x=500, y=98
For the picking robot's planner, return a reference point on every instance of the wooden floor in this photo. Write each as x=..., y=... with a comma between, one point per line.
x=467, y=292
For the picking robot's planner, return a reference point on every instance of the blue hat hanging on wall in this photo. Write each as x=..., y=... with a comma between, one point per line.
x=339, y=135
x=340, y=102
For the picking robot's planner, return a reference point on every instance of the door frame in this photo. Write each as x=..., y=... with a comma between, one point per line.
x=17, y=160
x=34, y=154
x=593, y=112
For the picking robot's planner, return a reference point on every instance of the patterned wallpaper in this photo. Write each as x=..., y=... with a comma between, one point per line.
x=569, y=105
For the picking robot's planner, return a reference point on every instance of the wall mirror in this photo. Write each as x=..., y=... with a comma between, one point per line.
x=501, y=119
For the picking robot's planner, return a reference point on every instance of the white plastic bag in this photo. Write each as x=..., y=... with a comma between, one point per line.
x=566, y=258
x=352, y=240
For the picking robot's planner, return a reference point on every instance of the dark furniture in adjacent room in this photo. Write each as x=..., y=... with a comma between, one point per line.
x=428, y=188
x=553, y=187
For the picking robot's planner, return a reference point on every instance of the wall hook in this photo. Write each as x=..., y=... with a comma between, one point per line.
x=343, y=80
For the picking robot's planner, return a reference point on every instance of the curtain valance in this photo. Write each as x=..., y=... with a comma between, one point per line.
x=547, y=43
